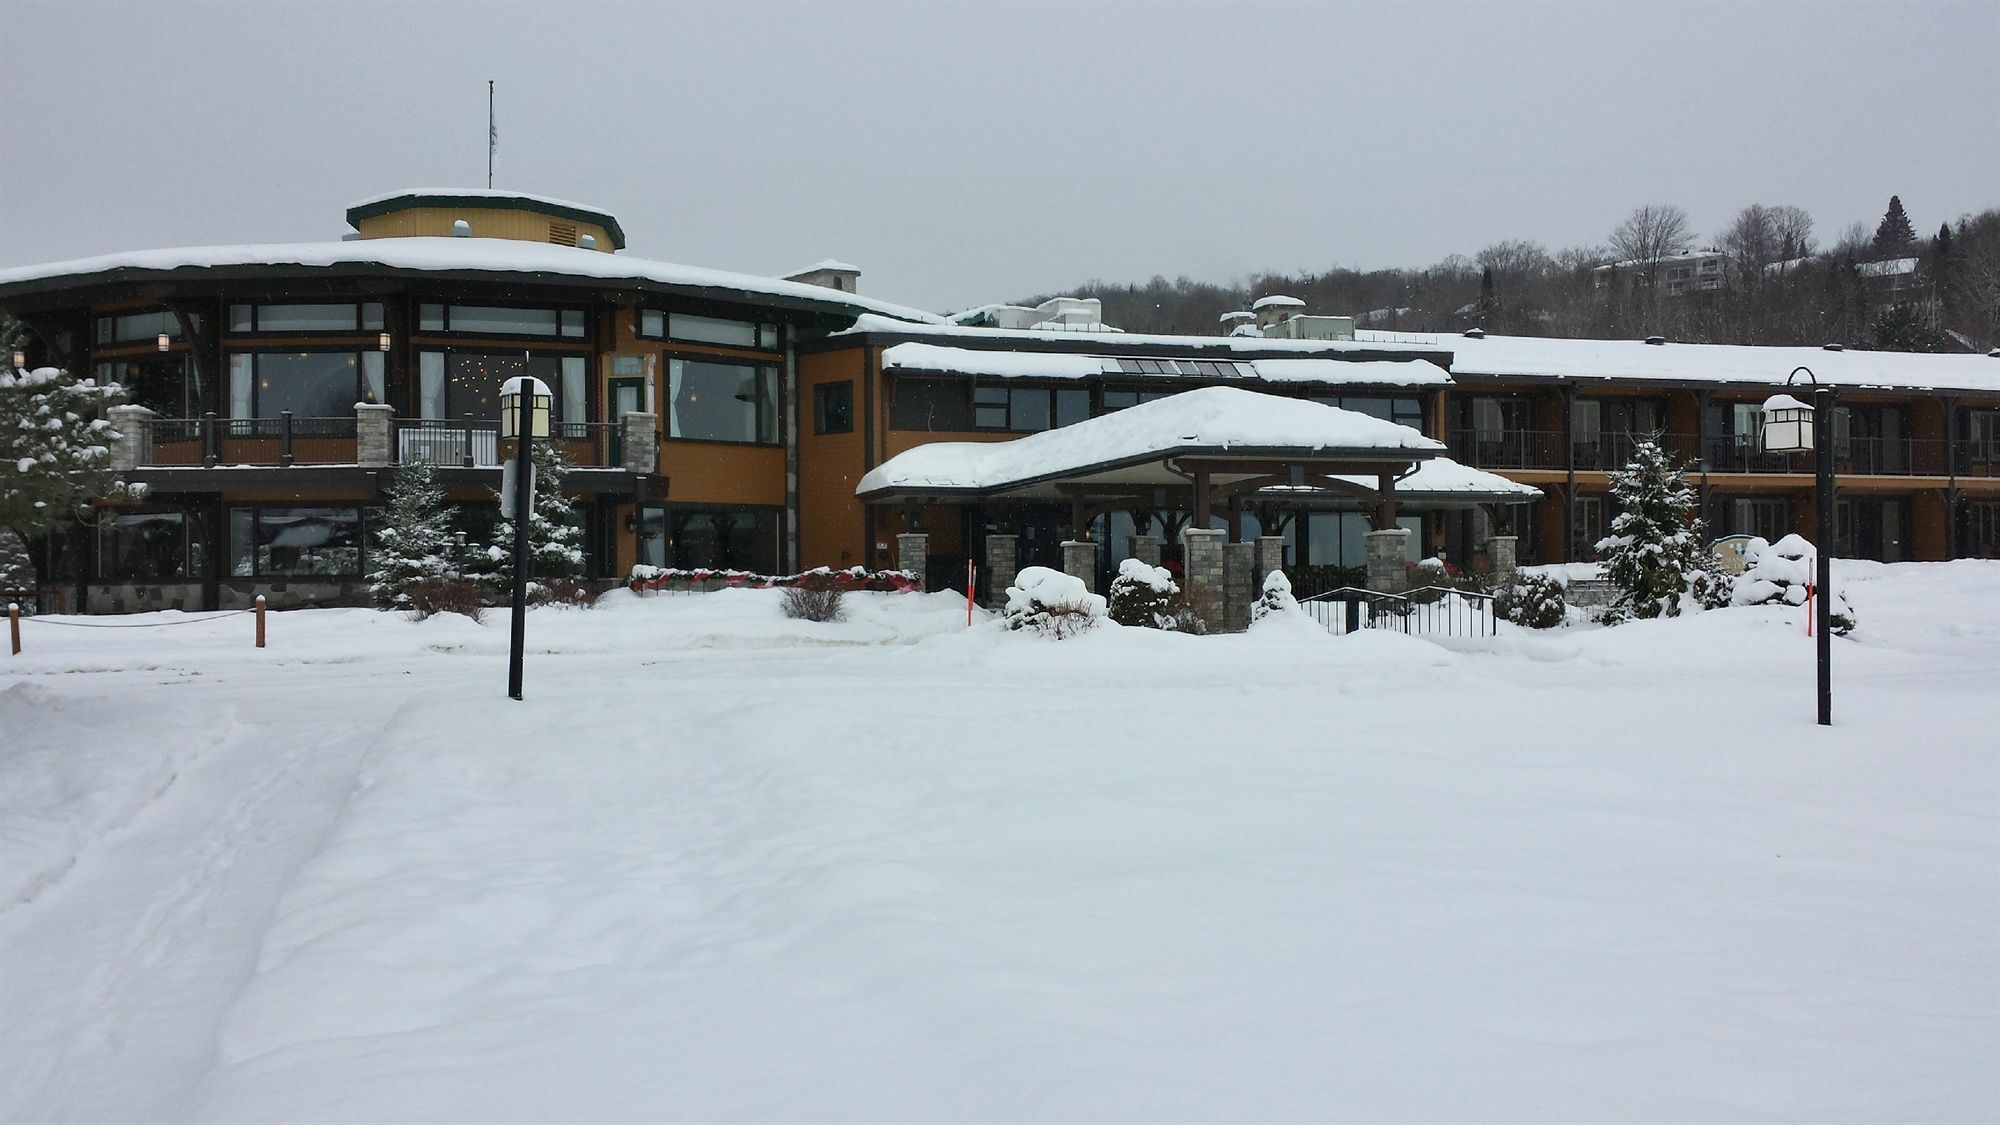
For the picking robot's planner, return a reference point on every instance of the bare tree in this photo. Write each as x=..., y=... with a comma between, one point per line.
x=1794, y=228
x=1516, y=258
x=1652, y=233
x=1752, y=240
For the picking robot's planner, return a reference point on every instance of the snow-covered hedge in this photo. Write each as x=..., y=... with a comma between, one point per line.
x=1144, y=596
x=1274, y=597
x=648, y=578
x=1052, y=604
x=1534, y=601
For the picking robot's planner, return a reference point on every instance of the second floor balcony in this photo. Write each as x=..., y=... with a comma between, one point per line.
x=1556, y=451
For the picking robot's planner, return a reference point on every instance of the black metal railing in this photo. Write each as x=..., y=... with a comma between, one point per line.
x=1429, y=611
x=284, y=440
x=469, y=443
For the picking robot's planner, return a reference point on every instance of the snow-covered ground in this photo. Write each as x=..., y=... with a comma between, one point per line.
x=721, y=865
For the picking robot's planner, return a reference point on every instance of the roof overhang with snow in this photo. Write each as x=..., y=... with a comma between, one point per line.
x=991, y=363
x=1228, y=438
x=441, y=259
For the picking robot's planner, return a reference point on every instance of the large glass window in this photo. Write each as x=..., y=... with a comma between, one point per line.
x=465, y=384
x=722, y=401
x=295, y=542
x=309, y=384
x=1341, y=538
x=494, y=320
x=145, y=546
x=134, y=328
x=655, y=324
x=343, y=317
x=931, y=404
x=709, y=538
x=165, y=384
x=833, y=408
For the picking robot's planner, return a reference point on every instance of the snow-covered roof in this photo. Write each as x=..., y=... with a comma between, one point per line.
x=1438, y=483
x=827, y=265
x=1888, y=267
x=996, y=364
x=1206, y=421
x=1277, y=301
x=1237, y=314
x=1114, y=340
x=484, y=255
x=476, y=193
x=1728, y=364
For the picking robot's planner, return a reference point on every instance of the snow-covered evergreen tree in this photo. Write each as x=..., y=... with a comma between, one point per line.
x=416, y=553
x=1894, y=233
x=555, y=545
x=55, y=449
x=1274, y=597
x=1657, y=553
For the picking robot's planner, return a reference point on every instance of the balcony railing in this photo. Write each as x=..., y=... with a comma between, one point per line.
x=475, y=443
x=284, y=440
x=1545, y=450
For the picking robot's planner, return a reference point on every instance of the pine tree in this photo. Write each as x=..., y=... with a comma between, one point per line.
x=555, y=548
x=1657, y=553
x=416, y=556
x=1489, y=303
x=1895, y=233
x=1903, y=327
x=55, y=449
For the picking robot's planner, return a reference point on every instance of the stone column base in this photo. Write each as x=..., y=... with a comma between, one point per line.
x=913, y=554
x=1080, y=561
x=1388, y=560
x=1001, y=553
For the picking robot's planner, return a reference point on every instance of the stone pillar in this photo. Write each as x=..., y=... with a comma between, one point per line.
x=1239, y=585
x=1201, y=548
x=1500, y=551
x=1146, y=548
x=1001, y=553
x=1080, y=561
x=374, y=434
x=912, y=549
x=134, y=446
x=1387, y=560
x=639, y=445
x=1270, y=557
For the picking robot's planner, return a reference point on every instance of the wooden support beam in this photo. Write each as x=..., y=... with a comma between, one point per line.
x=1385, y=502
x=1201, y=497
x=1236, y=517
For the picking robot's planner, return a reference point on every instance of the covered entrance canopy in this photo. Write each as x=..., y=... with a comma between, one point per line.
x=1193, y=451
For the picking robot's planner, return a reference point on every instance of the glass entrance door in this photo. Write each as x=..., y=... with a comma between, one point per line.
x=628, y=396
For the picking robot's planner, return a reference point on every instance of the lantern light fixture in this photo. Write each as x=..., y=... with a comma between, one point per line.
x=1788, y=425
x=540, y=403
x=20, y=358
x=383, y=342
x=165, y=342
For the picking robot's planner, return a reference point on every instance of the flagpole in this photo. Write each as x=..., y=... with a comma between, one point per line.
x=490, y=137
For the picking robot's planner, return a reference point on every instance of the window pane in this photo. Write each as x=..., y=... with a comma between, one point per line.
x=241, y=386
x=306, y=318
x=142, y=545
x=240, y=319
x=430, y=385
x=309, y=384
x=575, y=390
x=430, y=318
x=242, y=542
x=308, y=542
x=990, y=417
x=653, y=323
x=767, y=336
x=652, y=536
x=930, y=404
x=498, y=321
x=1119, y=400
x=709, y=330
x=833, y=408
x=137, y=327
x=473, y=390
x=1072, y=406
x=715, y=401
x=572, y=322
x=371, y=317
x=1030, y=409
x=373, y=365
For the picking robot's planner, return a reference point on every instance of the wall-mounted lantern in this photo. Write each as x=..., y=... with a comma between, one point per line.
x=165, y=342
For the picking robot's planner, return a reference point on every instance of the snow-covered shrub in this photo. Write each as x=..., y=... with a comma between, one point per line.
x=808, y=603
x=1657, y=553
x=1144, y=596
x=1534, y=601
x=555, y=544
x=416, y=564
x=1051, y=604
x=1275, y=597
x=1188, y=619
x=1783, y=573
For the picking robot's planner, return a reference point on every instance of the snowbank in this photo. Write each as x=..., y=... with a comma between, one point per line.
x=76, y=766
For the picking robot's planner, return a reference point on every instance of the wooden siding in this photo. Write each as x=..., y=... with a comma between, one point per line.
x=519, y=226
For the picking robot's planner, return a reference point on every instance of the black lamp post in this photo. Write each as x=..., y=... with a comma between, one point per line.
x=525, y=403
x=1791, y=426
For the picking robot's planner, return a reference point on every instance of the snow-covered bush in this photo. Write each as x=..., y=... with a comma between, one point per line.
x=1144, y=596
x=1657, y=553
x=1051, y=604
x=808, y=603
x=55, y=449
x=1275, y=597
x=1783, y=573
x=1534, y=601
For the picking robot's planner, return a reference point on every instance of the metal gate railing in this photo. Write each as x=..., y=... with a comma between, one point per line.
x=1429, y=611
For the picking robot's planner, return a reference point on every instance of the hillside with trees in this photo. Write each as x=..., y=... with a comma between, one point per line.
x=1773, y=282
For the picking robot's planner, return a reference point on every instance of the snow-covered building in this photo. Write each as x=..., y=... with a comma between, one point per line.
x=718, y=419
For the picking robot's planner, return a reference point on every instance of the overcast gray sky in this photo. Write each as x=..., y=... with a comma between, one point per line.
x=961, y=153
